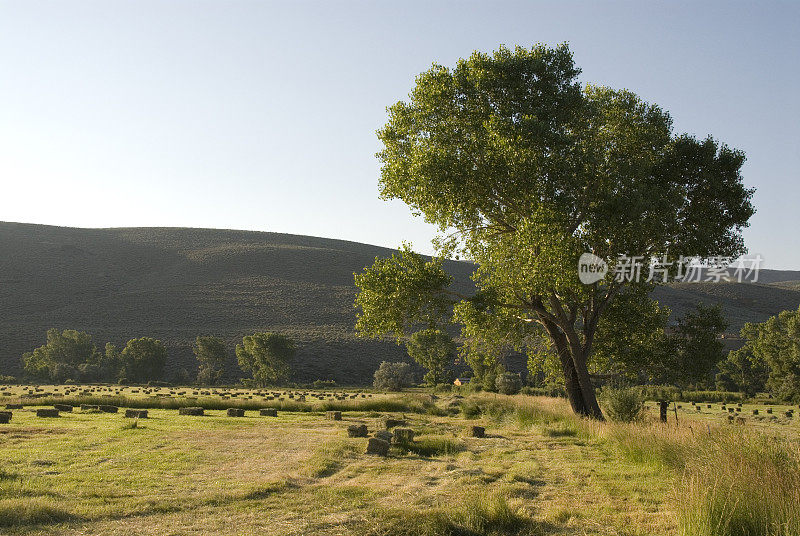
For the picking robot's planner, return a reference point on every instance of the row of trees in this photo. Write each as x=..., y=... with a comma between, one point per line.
x=769, y=359
x=72, y=355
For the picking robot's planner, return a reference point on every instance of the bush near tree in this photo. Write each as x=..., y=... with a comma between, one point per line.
x=393, y=376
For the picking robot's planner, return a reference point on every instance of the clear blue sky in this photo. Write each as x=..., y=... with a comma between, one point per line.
x=262, y=115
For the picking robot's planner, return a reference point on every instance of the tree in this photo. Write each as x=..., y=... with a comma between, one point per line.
x=210, y=353
x=696, y=347
x=143, y=360
x=58, y=360
x=266, y=356
x=742, y=371
x=392, y=376
x=523, y=171
x=433, y=349
x=776, y=342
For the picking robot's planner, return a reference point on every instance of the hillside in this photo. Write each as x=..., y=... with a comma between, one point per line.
x=175, y=284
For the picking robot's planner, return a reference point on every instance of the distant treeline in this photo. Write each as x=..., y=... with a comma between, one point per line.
x=72, y=356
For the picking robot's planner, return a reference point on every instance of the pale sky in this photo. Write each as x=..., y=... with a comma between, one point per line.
x=262, y=115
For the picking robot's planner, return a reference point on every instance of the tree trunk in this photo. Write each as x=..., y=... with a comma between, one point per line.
x=577, y=383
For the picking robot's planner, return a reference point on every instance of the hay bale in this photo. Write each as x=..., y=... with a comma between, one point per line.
x=235, y=412
x=378, y=447
x=196, y=411
x=5, y=417
x=403, y=435
x=478, y=431
x=63, y=407
x=755, y=412
x=769, y=411
x=47, y=412
x=383, y=434
x=333, y=415
x=108, y=409
x=136, y=413
x=390, y=423
x=268, y=412
x=13, y=406
x=357, y=430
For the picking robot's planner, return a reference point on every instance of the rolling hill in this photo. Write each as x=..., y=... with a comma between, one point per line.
x=175, y=284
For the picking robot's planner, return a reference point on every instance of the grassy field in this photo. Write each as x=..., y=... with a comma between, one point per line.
x=539, y=470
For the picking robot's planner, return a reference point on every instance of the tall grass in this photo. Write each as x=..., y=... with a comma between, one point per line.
x=407, y=403
x=742, y=484
x=482, y=515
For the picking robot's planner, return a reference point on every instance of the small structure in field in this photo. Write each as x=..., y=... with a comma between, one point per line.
x=357, y=430
x=376, y=446
x=478, y=431
x=461, y=381
x=403, y=435
x=47, y=412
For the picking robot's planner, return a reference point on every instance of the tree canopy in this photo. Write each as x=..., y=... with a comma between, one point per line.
x=266, y=356
x=523, y=170
x=434, y=349
x=210, y=353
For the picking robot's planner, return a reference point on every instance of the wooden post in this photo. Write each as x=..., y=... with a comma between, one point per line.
x=663, y=406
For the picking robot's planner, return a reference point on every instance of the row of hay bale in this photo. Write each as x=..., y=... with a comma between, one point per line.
x=230, y=412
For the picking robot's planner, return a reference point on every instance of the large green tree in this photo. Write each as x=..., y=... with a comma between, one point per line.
x=266, y=356
x=210, y=353
x=62, y=355
x=434, y=349
x=523, y=171
x=776, y=342
x=143, y=360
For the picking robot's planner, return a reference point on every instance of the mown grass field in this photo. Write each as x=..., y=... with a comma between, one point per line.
x=540, y=470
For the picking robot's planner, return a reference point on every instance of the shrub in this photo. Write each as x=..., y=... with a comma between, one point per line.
x=324, y=384
x=392, y=376
x=508, y=383
x=623, y=405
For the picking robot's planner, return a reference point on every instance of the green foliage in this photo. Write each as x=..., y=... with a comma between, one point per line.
x=508, y=383
x=324, y=384
x=266, y=356
x=59, y=359
x=742, y=371
x=393, y=376
x=622, y=404
x=433, y=349
x=400, y=293
x=143, y=360
x=526, y=171
x=697, y=348
x=776, y=342
x=210, y=353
